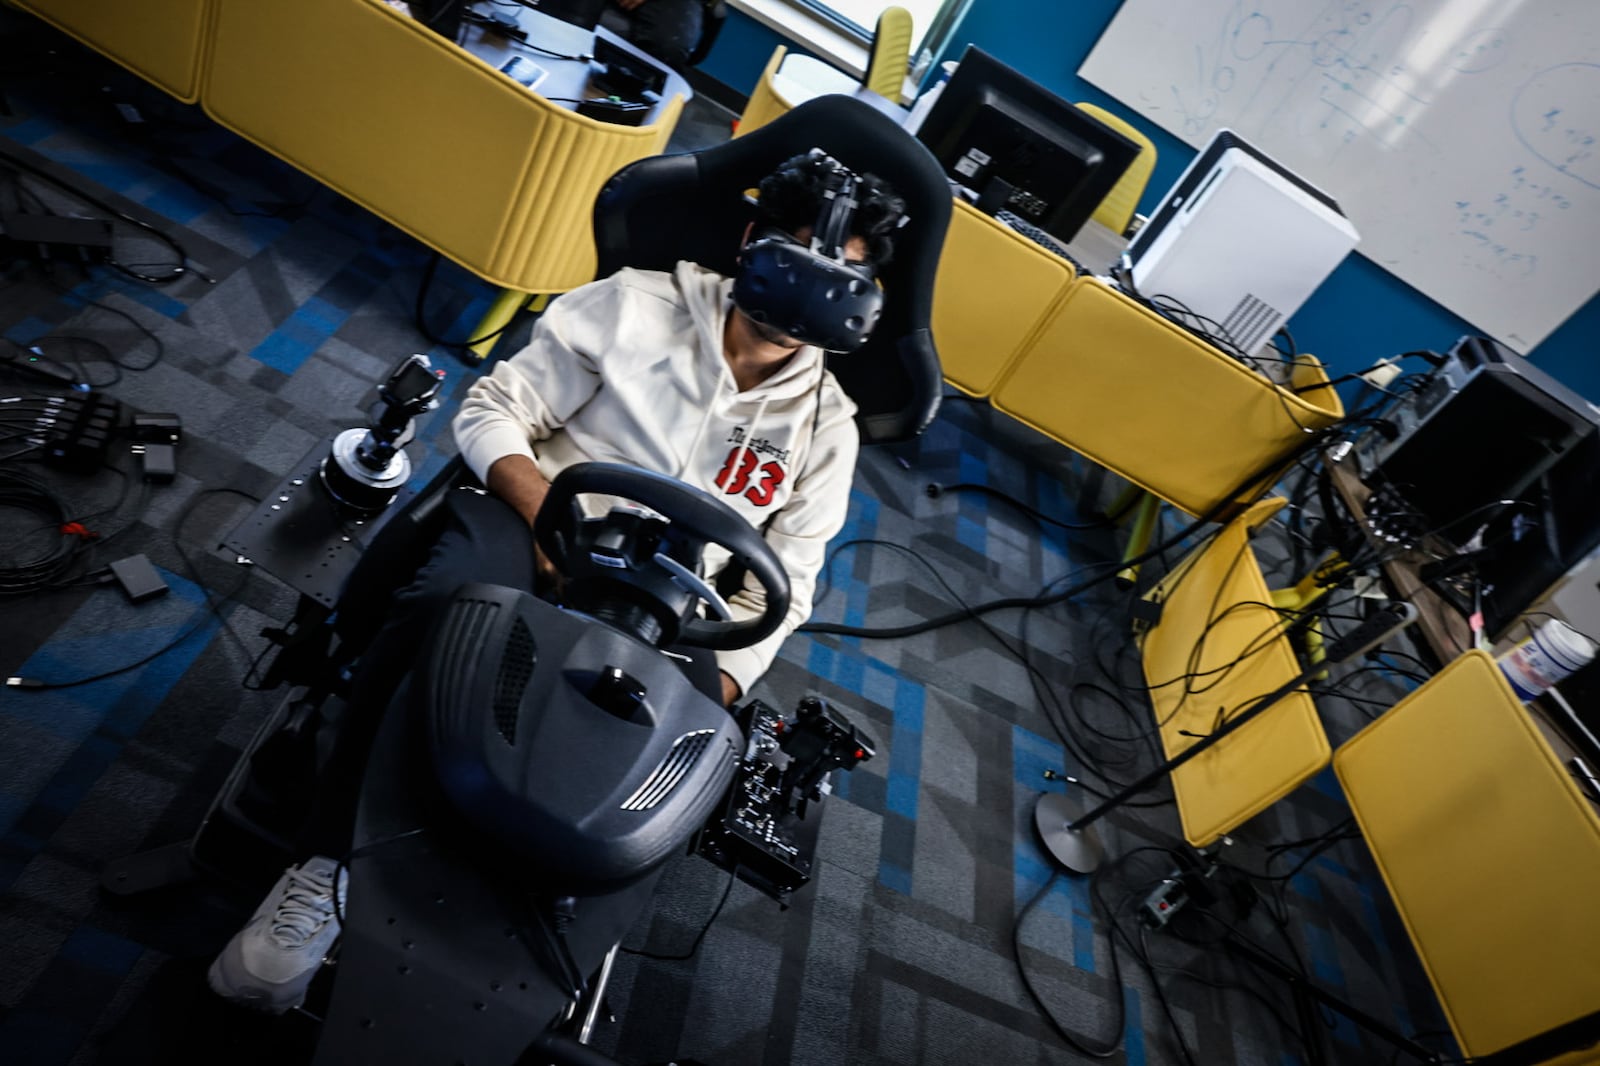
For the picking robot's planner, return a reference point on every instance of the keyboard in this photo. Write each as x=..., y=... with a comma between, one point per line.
x=1038, y=236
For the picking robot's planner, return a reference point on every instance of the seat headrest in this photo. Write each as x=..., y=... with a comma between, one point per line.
x=669, y=208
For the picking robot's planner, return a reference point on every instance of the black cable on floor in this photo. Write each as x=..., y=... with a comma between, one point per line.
x=733, y=876
x=178, y=269
x=1312, y=440
x=935, y=490
x=212, y=607
x=23, y=492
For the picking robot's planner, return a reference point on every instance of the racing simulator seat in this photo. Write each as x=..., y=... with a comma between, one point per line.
x=540, y=763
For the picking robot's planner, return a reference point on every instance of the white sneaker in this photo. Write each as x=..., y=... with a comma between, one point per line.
x=268, y=965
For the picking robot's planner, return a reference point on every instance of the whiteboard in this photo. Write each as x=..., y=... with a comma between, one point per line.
x=1459, y=136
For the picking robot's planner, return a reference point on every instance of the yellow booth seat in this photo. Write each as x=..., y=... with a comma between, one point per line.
x=993, y=290
x=422, y=133
x=162, y=41
x=1117, y=382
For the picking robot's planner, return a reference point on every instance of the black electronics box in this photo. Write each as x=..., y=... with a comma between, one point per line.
x=1485, y=427
x=620, y=112
x=1554, y=526
x=619, y=72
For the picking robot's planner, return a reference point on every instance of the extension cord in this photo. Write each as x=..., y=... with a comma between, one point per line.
x=1164, y=901
x=33, y=362
x=79, y=432
x=51, y=238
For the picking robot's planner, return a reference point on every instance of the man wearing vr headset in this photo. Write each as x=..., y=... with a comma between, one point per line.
x=719, y=382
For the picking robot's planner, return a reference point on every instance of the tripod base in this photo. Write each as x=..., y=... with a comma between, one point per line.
x=1078, y=850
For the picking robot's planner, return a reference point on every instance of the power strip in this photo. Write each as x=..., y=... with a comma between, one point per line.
x=53, y=238
x=1384, y=623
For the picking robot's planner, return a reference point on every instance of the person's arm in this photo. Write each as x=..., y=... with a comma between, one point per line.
x=532, y=394
x=529, y=396
x=517, y=480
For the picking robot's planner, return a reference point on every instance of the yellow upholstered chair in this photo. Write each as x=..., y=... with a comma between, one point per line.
x=162, y=41
x=766, y=102
x=890, y=57
x=1116, y=210
x=1218, y=629
x=886, y=72
x=421, y=132
x=1491, y=851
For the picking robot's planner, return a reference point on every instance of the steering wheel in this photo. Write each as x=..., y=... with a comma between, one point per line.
x=691, y=512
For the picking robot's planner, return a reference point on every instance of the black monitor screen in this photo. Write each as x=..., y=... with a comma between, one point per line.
x=1015, y=145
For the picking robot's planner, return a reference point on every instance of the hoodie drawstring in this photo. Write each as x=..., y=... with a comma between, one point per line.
x=694, y=445
x=750, y=434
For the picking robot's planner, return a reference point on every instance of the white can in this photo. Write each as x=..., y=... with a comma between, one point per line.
x=1553, y=651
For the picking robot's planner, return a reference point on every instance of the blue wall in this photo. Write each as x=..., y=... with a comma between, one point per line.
x=1360, y=314
x=741, y=52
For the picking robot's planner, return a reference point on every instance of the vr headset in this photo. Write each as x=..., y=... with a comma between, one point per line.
x=808, y=290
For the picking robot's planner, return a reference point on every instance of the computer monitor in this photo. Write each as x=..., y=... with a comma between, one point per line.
x=1016, y=146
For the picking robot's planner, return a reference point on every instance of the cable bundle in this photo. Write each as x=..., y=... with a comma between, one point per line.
x=19, y=577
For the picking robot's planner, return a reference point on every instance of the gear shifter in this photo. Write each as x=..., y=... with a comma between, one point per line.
x=366, y=468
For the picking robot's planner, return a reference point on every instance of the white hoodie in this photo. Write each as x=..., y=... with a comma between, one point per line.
x=631, y=370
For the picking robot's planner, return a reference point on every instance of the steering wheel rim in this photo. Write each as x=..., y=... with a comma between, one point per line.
x=703, y=516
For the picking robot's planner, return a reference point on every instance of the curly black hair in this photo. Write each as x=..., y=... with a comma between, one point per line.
x=791, y=197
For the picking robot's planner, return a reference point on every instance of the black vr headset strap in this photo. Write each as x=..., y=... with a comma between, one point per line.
x=832, y=229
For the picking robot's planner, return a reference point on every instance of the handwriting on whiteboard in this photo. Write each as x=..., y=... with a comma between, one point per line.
x=1362, y=73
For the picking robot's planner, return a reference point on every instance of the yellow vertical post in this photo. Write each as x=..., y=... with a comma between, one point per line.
x=1139, y=537
x=498, y=317
x=1306, y=592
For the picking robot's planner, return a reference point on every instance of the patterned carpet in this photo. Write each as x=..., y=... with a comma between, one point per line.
x=903, y=951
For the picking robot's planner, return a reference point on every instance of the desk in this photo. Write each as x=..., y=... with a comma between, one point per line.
x=432, y=138
x=568, y=79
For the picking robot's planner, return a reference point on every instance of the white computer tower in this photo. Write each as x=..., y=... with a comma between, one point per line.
x=1239, y=240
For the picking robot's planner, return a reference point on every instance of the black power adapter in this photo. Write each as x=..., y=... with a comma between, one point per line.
x=138, y=578
x=157, y=462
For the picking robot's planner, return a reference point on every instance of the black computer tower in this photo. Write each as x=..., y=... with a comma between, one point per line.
x=1484, y=428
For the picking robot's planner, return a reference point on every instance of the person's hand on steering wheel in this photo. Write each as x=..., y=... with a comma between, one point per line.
x=700, y=519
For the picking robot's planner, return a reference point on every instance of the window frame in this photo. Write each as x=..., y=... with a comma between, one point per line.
x=835, y=29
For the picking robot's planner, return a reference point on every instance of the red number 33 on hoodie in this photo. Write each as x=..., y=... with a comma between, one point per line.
x=738, y=469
